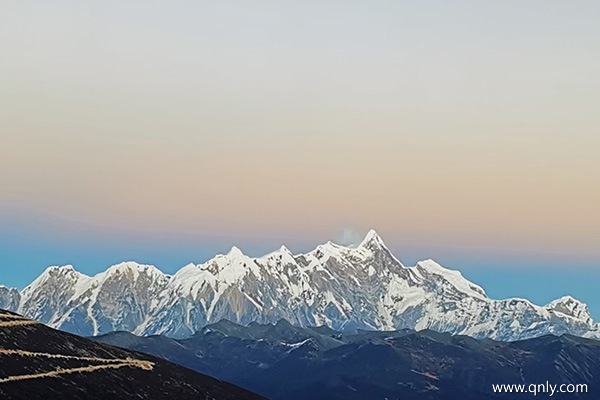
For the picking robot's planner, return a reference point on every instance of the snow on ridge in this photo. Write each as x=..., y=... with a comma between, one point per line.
x=343, y=287
x=134, y=268
x=567, y=299
x=372, y=237
x=455, y=277
x=55, y=272
x=283, y=250
x=235, y=252
x=569, y=306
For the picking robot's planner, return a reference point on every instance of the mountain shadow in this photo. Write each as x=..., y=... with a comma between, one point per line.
x=40, y=363
x=282, y=361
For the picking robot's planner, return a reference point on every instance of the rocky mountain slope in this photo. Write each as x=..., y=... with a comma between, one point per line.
x=282, y=361
x=345, y=288
x=37, y=362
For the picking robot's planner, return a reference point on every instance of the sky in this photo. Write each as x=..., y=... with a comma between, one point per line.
x=166, y=132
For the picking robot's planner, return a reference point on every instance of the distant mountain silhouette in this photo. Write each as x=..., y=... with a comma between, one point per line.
x=282, y=361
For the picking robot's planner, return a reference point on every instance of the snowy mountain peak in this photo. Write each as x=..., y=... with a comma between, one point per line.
x=570, y=306
x=9, y=298
x=283, y=253
x=60, y=269
x=372, y=239
x=326, y=250
x=133, y=270
x=235, y=252
x=567, y=299
x=284, y=249
x=451, y=276
x=64, y=273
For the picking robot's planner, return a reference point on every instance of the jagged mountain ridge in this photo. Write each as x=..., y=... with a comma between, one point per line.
x=345, y=288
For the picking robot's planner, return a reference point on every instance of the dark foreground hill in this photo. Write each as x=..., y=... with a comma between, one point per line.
x=286, y=362
x=37, y=362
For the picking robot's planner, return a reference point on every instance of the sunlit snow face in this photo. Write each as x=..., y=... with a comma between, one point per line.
x=345, y=288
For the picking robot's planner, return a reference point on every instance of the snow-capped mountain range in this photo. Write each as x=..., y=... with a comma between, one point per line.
x=346, y=288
